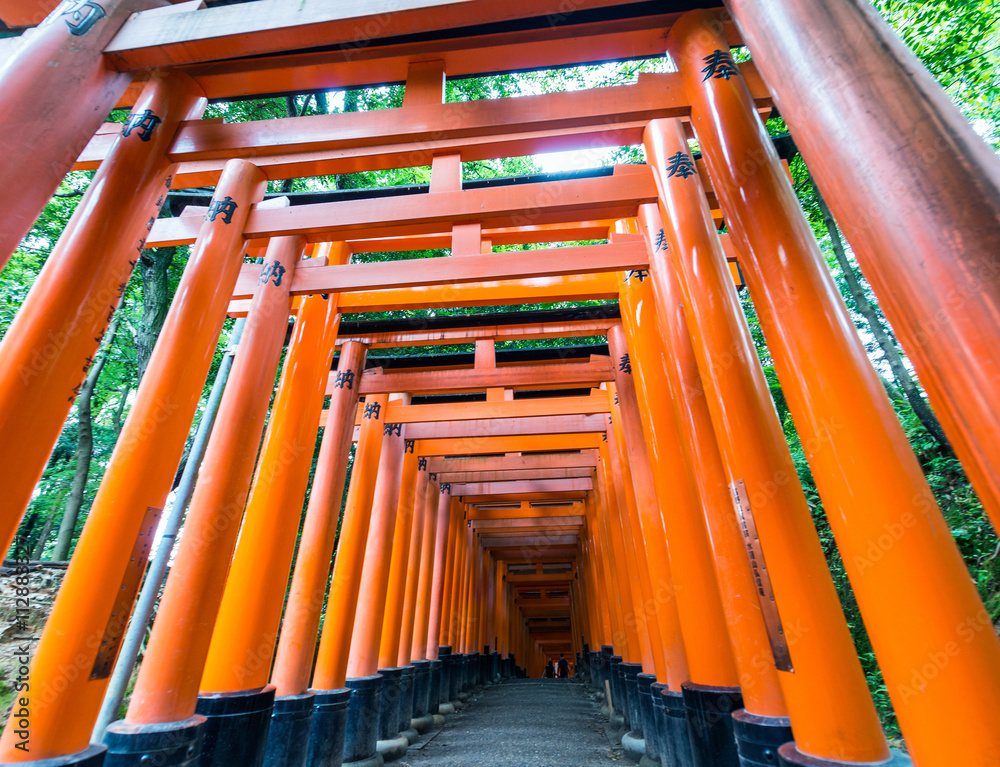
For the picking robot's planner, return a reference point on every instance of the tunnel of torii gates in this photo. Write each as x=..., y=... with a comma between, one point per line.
x=634, y=506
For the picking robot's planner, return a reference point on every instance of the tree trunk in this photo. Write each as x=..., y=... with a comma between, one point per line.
x=116, y=417
x=886, y=343
x=84, y=445
x=154, y=266
x=43, y=538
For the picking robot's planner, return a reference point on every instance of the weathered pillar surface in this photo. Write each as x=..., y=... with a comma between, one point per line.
x=367, y=634
x=55, y=92
x=297, y=644
x=246, y=629
x=441, y=553
x=342, y=602
x=691, y=582
x=76, y=653
x=661, y=295
x=916, y=191
x=52, y=341
x=166, y=689
x=756, y=454
x=430, y=551
x=396, y=646
x=867, y=475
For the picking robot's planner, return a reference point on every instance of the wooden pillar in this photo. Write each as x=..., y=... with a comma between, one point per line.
x=166, y=689
x=55, y=92
x=76, y=653
x=867, y=475
x=246, y=629
x=396, y=645
x=908, y=179
x=653, y=318
x=367, y=636
x=342, y=603
x=52, y=340
x=758, y=460
x=293, y=662
x=437, y=584
x=431, y=550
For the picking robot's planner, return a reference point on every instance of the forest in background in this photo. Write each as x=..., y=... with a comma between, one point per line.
x=959, y=42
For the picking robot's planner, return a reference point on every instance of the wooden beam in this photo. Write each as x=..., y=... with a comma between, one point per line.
x=514, y=462
x=524, y=486
x=480, y=429
x=616, y=196
x=511, y=524
x=375, y=381
x=507, y=444
x=524, y=511
x=501, y=476
x=417, y=337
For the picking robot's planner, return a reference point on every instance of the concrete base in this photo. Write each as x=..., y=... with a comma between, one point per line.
x=604, y=709
x=458, y=705
x=372, y=761
x=393, y=749
x=439, y=720
x=463, y=696
x=634, y=747
x=617, y=721
x=422, y=724
x=647, y=762
x=411, y=735
x=445, y=708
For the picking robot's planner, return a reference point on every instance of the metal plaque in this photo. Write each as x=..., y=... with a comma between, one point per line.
x=104, y=663
x=772, y=620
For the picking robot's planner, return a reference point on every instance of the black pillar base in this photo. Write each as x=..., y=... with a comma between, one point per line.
x=644, y=683
x=677, y=742
x=434, y=687
x=631, y=671
x=407, y=692
x=173, y=744
x=236, y=727
x=421, y=688
x=91, y=756
x=790, y=756
x=710, y=723
x=363, y=718
x=288, y=735
x=391, y=745
x=328, y=728
x=663, y=755
x=758, y=737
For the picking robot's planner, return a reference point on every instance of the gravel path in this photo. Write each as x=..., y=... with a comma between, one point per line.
x=536, y=722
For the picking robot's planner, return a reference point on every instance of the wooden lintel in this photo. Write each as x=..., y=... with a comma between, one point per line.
x=522, y=486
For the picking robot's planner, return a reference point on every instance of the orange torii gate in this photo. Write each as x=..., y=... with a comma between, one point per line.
x=650, y=476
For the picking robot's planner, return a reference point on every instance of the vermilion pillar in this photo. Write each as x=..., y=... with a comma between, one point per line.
x=55, y=92
x=166, y=689
x=865, y=470
x=76, y=653
x=52, y=341
x=246, y=629
x=432, y=547
x=342, y=602
x=653, y=318
x=367, y=635
x=437, y=582
x=908, y=179
x=827, y=696
x=297, y=645
x=397, y=630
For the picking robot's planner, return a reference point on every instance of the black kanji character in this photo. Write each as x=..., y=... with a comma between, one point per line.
x=144, y=122
x=344, y=380
x=625, y=364
x=681, y=165
x=408, y=446
x=639, y=274
x=392, y=428
x=720, y=66
x=149, y=224
x=661, y=241
x=226, y=206
x=275, y=270
x=446, y=487
x=422, y=462
x=616, y=398
x=83, y=15
x=604, y=437
x=433, y=476
x=372, y=410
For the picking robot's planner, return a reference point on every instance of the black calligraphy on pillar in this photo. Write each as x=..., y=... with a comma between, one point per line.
x=661, y=241
x=83, y=15
x=226, y=207
x=446, y=487
x=681, y=165
x=144, y=123
x=720, y=66
x=625, y=364
x=433, y=475
x=372, y=410
x=639, y=274
x=344, y=380
x=422, y=462
x=272, y=270
x=408, y=446
x=393, y=428
x=616, y=398
x=604, y=436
